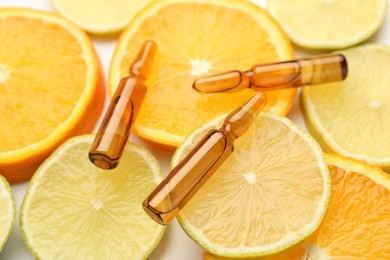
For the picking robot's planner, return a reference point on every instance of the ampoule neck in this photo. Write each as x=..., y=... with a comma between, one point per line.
x=241, y=119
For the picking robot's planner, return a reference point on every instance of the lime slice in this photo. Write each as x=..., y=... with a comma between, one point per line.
x=73, y=209
x=99, y=17
x=352, y=117
x=328, y=24
x=7, y=211
x=268, y=196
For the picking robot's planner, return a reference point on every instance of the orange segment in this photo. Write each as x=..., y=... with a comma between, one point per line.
x=196, y=38
x=49, y=81
x=357, y=223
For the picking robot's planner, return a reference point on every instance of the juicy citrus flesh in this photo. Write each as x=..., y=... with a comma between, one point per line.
x=345, y=116
x=99, y=17
x=74, y=209
x=356, y=224
x=197, y=38
x=269, y=195
x=7, y=211
x=48, y=81
x=330, y=24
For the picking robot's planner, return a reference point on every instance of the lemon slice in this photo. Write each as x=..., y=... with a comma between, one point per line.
x=268, y=196
x=7, y=211
x=99, y=17
x=352, y=118
x=73, y=209
x=328, y=24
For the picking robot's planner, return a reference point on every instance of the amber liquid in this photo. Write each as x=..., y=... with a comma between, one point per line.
x=299, y=72
x=114, y=131
x=203, y=160
x=115, y=128
x=279, y=75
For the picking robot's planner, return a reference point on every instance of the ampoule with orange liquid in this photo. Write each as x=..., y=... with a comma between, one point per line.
x=114, y=130
x=202, y=161
x=285, y=74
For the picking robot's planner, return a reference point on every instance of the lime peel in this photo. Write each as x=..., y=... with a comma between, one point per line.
x=363, y=99
x=331, y=17
x=105, y=196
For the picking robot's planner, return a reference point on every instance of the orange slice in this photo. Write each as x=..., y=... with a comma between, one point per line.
x=197, y=38
x=357, y=222
x=49, y=88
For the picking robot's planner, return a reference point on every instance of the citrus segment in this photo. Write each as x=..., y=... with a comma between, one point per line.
x=356, y=224
x=196, y=38
x=268, y=196
x=50, y=87
x=352, y=117
x=73, y=209
x=329, y=24
x=99, y=17
x=7, y=211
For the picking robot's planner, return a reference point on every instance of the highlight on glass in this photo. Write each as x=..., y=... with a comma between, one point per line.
x=202, y=161
x=114, y=130
x=285, y=74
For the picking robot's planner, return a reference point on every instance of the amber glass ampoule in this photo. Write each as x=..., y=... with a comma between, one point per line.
x=285, y=74
x=114, y=130
x=201, y=162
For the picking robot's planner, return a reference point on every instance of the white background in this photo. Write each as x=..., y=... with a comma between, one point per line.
x=175, y=244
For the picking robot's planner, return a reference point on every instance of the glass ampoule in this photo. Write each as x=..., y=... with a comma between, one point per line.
x=285, y=74
x=114, y=130
x=201, y=162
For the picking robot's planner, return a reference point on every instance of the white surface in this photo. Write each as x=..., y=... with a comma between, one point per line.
x=175, y=244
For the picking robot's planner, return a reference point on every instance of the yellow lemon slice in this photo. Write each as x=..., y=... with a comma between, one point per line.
x=267, y=197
